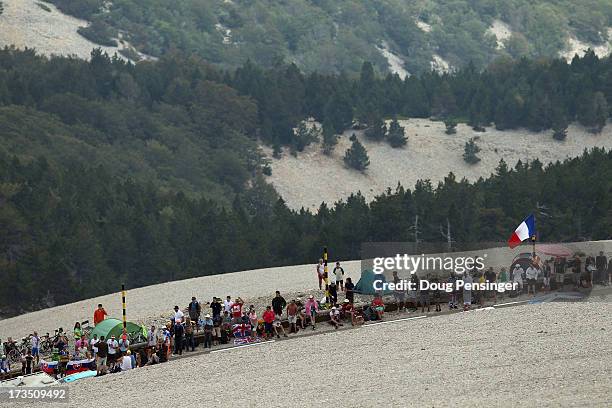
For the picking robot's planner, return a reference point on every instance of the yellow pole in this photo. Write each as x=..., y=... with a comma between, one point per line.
x=124, y=308
x=327, y=296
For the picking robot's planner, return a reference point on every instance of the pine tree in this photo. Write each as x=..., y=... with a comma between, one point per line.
x=451, y=126
x=356, y=156
x=559, y=124
x=470, y=152
x=476, y=120
x=601, y=111
x=396, y=136
x=277, y=152
x=330, y=138
x=339, y=110
x=304, y=136
x=377, y=130
x=444, y=103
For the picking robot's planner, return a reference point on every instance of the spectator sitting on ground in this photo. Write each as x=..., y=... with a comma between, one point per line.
x=253, y=319
x=125, y=363
x=278, y=326
x=378, y=306
x=334, y=317
x=346, y=310
x=152, y=357
x=301, y=314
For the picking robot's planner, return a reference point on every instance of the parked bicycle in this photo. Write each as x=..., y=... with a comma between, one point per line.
x=13, y=350
x=86, y=328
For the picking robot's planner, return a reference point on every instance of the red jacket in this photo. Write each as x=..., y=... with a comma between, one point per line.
x=268, y=316
x=99, y=315
x=237, y=310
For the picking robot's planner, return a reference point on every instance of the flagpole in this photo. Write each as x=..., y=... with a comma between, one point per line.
x=533, y=239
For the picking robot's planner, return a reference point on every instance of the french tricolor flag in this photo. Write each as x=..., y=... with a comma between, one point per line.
x=524, y=231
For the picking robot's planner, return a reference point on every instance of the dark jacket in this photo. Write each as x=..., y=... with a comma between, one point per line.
x=278, y=304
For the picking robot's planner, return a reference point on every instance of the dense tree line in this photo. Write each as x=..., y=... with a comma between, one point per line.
x=536, y=94
x=68, y=233
x=174, y=123
x=333, y=36
x=112, y=172
x=180, y=110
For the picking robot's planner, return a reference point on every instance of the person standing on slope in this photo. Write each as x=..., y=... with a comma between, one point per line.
x=312, y=308
x=227, y=305
x=349, y=289
x=237, y=311
x=99, y=314
x=320, y=268
x=517, y=277
x=339, y=276
x=151, y=338
x=532, y=273
x=268, y=318
x=292, y=312
x=467, y=293
x=35, y=342
x=278, y=304
x=502, y=278
x=452, y=299
x=601, y=263
x=195, y=309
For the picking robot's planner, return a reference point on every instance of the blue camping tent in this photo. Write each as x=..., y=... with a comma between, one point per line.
x=365, y=286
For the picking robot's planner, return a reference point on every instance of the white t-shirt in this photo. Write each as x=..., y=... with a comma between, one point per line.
x=334, y=313
x=321, y=269
x=178, y=316
x=126, y=363
x=93, y=345
x=517, y=274
x=152, y=338
x=35, y=342
x=82, y=351
x=112, y=346
x=531, y=273
x=227, y=305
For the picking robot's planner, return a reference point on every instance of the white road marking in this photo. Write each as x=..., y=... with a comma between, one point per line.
x=511, y=303
x=242, y=346
x=394, y=321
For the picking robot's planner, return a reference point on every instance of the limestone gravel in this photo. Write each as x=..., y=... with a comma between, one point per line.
x=546, y=355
